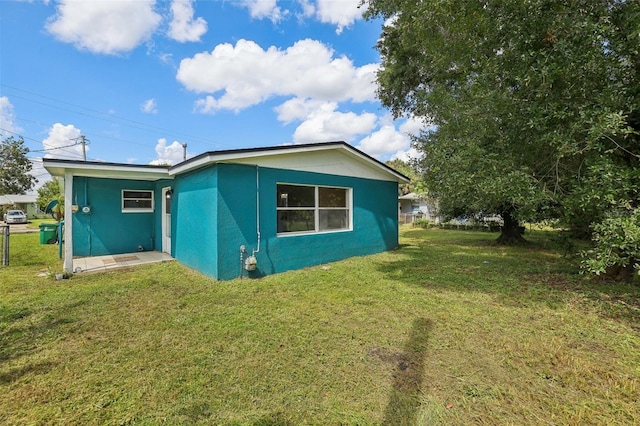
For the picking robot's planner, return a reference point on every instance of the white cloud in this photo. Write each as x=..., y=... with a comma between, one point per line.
x=106, y=27
x=183, y=27
x=408, y=155
x=40, y=173
x=384, y=141
x=150, y=106
x=308, y=8
x=297, y=109
x=261, y=9
x=342, y=13
x=62, y=142
x=326, y=124
x=166, y=58
x=168, y=154
x=8, y=126
x=413, y=125
x=385, y=138
x=247, y=75
x=389, y=141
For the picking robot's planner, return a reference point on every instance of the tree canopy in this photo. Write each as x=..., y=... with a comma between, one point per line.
x=51, y=191
x=15, y=167
x=409, y=170
x=536, y=104
x=48, y=192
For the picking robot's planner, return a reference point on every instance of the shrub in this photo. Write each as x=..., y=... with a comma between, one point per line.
x=423, y=223
x=616, y=250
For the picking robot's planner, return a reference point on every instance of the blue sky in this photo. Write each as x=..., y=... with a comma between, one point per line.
x=138, y=78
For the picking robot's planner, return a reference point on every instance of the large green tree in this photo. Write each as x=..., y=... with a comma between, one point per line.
x=48, y=192
x=409, y=170
x=15, y=167
x=531, y=101
x=52, y=191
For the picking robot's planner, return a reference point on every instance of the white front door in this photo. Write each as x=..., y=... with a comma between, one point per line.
x=166, y=219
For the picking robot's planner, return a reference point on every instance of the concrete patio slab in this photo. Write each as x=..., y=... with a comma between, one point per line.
x=111, y=262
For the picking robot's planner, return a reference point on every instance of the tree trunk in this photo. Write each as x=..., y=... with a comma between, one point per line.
x=511, y=231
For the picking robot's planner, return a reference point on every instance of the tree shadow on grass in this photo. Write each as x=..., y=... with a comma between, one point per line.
x=33, y=368
x=25, y=332
x=466, y=262
x=408, y=371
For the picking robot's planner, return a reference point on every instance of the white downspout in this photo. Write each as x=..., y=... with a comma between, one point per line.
x=68, y=221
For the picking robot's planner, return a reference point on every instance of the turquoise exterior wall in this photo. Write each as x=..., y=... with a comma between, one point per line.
x=215, y=211
x=236, y=216
x=106, y=230
x=194, y=216
x=375, y=221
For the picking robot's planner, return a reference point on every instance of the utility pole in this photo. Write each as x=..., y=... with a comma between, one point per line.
x=84, y=141
x=84, y=147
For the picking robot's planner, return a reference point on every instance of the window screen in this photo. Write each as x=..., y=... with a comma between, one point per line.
x=304, y=209
x=137, y=201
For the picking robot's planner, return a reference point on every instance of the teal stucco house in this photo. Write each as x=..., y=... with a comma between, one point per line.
x=250, y=212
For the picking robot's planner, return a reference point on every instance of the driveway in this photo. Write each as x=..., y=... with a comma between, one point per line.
x=20, y=228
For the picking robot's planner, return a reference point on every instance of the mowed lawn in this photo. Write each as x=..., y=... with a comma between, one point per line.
x=449, y=329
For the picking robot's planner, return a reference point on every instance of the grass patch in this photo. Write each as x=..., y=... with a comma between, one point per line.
x=35, y=223
x=449, y=329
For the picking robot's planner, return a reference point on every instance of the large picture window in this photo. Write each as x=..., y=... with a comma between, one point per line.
x=304, y=209
x=137, y=201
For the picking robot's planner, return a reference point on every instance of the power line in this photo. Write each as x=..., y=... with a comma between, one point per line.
x=41, y=141
x=108, y=117
x=45, y=149
x=49, y=125
x=14, y=118
x=52, y=149
x=18, y=134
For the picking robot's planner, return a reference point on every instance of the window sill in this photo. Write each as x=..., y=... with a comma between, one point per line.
x=298, y=234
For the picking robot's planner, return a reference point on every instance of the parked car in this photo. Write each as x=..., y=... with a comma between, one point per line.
x=15, y=216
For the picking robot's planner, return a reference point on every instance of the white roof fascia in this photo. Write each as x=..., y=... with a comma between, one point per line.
x=21, y=198
x=10, y=199
x=106, y=170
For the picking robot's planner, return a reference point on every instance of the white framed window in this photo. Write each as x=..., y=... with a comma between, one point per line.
x=305, y=209
x=137, y=201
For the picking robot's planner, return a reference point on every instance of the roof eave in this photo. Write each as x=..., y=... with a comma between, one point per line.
x=105, y=170
x=214, y=157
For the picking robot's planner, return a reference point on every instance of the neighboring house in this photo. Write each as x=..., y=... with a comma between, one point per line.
x=26, y=203
x=413, y=206
x=269, y=209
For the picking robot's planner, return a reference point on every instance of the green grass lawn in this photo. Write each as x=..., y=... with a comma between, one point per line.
x=449, y=329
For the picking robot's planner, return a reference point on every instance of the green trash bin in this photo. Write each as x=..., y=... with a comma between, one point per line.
x=48, y=232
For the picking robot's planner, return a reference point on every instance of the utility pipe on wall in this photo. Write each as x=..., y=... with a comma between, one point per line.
x=250, y=263
x=257, y=208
